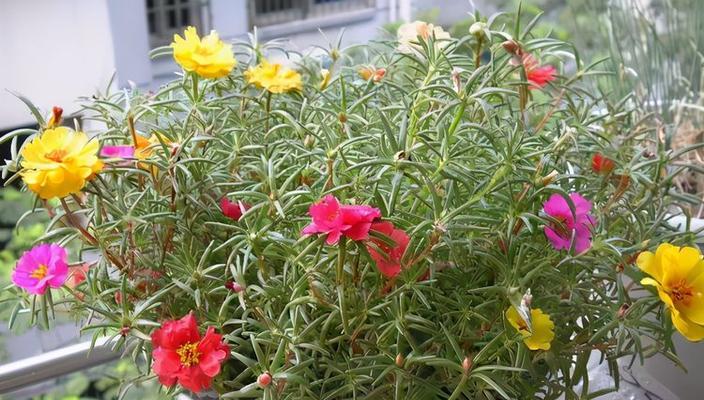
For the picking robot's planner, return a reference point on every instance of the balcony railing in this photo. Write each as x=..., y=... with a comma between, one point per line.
x=272, y=12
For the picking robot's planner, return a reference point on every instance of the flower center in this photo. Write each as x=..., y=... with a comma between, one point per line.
x=681, y=293
x=40, y=272
x=189, y=354
x=56, y=155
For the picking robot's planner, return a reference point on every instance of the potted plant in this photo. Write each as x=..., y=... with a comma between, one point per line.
x=422, y=223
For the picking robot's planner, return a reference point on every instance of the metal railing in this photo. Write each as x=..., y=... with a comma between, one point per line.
x=53, y=364
x=272, y=12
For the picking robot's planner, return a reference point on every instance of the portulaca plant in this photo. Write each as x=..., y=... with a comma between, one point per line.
x=450, y=218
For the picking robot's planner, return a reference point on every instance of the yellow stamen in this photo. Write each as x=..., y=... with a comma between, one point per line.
x=40, y=272
x=188, y=354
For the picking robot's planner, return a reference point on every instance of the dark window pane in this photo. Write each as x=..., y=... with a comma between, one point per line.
x=150, y=4
x=151, y=22
x=170, y=2
x=185, y=16
x=172, y=19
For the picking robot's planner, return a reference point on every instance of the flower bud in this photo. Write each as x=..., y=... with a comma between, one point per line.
x=477, y=29
x=400, y=360
x=264, y=380
x=124, y=331
x=467, y=365
x=549, y=178
x=309, y=141
x=623, y=310
x=379, y=75
x=342, y=117
x=233, y=286
x=55, y=118
x=511, y=47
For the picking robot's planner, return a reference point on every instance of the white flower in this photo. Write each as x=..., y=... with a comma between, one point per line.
x=410, y=35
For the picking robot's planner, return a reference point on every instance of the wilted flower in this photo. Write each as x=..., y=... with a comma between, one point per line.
x=372, y=73
x=181, y=355
x=58, y=162
x=55, y=117
x=678, y=275
x=388, y=257
x=411, y=33
x=601, y=164
x=537, y=75
x=274, y=77
x=325, y=81
x=41, y=267
x=579, y=224
x=456, y=80
x=209, y=57
x=543, y=328
x=336, y=220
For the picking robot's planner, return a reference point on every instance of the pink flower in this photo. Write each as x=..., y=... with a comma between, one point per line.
x=388, y=261
x=233, y=210
x=336, y=220
x=41, y=267
x=579, y=224
x=537, y=75
x=119, y=151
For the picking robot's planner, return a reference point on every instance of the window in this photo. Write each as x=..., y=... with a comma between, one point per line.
x=272, y=12
x=166, y=17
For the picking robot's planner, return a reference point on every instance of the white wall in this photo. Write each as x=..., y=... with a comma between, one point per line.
x=52, y=51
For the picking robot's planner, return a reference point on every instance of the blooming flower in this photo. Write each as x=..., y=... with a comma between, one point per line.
x=678, y=275
x=410, y=33
x=233, y=210
x=41, y=267
x=543, y=328
x=537, y=75
x=208, y=57
x=58, y=162
x=388, y=257
x=182, y=355
x=274, y=77
x=118, y=151
x=335, y=220
x=579, y=224
x=602, y=165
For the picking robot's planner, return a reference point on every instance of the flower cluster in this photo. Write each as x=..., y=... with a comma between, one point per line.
x=429, y=210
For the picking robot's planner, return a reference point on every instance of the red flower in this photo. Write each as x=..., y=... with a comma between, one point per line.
x=537, y=75
x=601, y=164
x=233, y=210
x=389, y=260
x=181, y=355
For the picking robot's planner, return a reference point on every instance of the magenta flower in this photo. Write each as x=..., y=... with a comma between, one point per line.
x=120, y=151
x=578, y=224
x=41, y=267
x=336, y=220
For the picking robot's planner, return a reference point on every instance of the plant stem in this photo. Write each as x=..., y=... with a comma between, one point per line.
x=195, y=87
x=341, y=254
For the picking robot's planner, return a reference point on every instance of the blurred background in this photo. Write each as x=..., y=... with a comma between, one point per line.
x=56, y=51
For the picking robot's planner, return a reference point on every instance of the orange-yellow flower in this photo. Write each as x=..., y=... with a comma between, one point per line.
x=543, y=328
x=678, y=275
x=58, y=162
x=208, y=57
x=410, y=34
x=274, y=77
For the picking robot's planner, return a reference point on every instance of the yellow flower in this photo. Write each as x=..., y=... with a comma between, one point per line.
x=325, y=74
x=274, y=77
x=58, y=162
x=208, y=57
x=678, y=275
x=543, y=328
x=410, y=34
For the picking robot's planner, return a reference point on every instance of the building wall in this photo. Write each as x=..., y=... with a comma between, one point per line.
x=53, y=51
